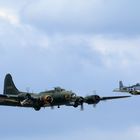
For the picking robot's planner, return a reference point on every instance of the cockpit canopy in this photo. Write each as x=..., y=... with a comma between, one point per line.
x=138, y=84
x=59, y=89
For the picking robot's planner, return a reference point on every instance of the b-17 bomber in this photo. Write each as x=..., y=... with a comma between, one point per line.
x=57, y=97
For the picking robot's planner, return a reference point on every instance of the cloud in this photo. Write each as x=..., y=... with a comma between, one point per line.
x=8, y=16
x=97, y=51
x=77, y=17
x=119, y=52
x=84, y=51
x=92, y=16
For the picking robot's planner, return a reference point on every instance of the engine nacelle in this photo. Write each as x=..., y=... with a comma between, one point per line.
x=47, y=99
x=67, y=96
x=93, y=99
x=79, y=101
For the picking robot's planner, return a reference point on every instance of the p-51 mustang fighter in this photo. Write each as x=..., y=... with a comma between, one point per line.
x=56, y=97
x=134, y=89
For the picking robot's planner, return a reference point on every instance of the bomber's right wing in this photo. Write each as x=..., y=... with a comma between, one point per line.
x=113, y=97
x=94, y=99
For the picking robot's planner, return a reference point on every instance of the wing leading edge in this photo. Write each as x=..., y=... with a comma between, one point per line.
x=113, y=97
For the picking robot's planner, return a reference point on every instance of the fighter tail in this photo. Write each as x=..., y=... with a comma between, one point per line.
x=120, y=85
x=9, y=86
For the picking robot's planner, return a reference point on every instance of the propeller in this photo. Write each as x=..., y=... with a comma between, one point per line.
x=79, y=101
x=82, y=107
x=28, y=89
x=52, y=107
x=94, y=105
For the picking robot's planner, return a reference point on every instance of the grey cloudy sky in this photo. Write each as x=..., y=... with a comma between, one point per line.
x=81, y=45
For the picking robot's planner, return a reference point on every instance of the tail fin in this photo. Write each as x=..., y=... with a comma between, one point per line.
x=9, y=86
x=120, y=85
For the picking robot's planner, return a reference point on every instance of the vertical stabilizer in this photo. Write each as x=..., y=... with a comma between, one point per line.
x=9, y=86
x=121, y=85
